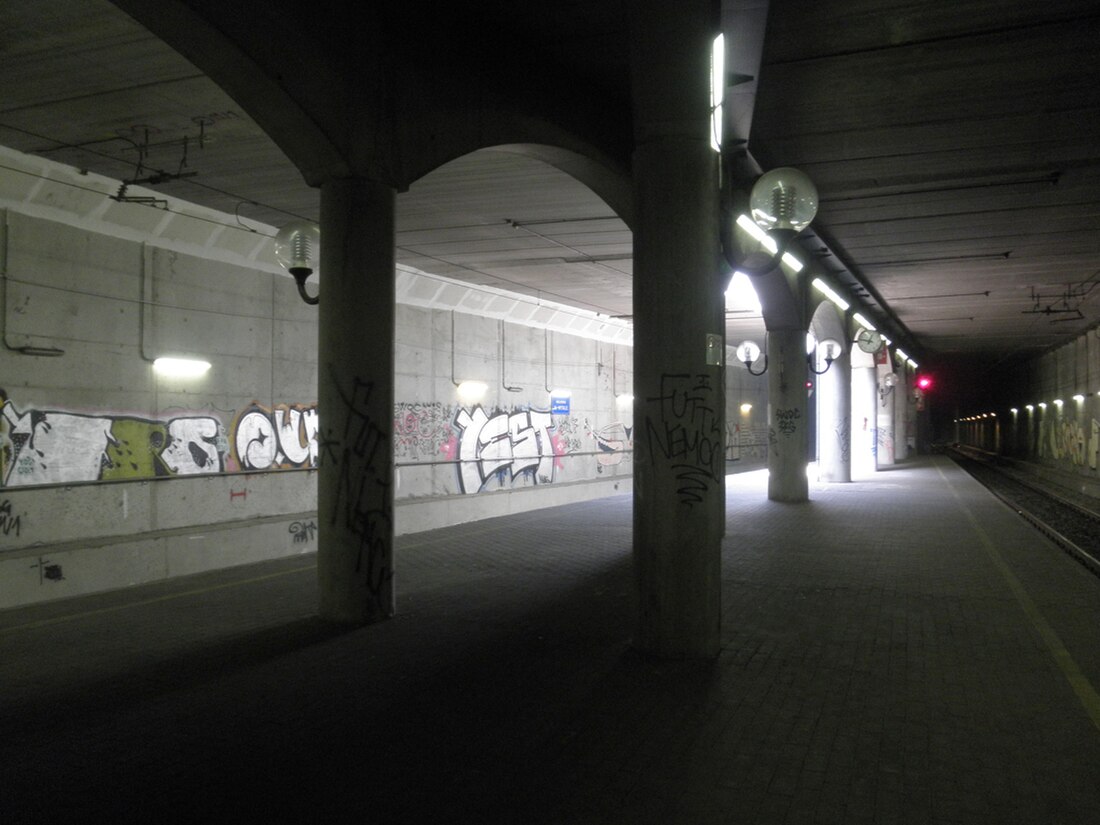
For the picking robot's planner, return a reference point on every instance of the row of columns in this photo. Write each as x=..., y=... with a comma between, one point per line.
x=679, y=493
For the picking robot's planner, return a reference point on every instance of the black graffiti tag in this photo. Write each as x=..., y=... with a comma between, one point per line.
x=788, y=420
x=9, y=524
x=303, y=531
x=362, y=500
x=687, y=433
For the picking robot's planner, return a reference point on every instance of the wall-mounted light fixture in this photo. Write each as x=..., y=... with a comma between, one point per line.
x=747, y=353
x=746, y=408
x=1079, y=398
x=180, y=367
x=828, y=351
x=297, y=247
x=889, y=381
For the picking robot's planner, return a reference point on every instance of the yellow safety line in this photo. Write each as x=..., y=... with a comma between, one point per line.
x=181, y=595
x=1077, y=680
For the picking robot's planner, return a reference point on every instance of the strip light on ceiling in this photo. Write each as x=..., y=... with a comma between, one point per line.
x=829, y=293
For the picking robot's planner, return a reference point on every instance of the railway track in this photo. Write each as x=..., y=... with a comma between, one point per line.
x=1070, y=520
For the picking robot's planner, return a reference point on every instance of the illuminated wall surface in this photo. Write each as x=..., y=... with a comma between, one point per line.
x=99, y=412
x=112, y=474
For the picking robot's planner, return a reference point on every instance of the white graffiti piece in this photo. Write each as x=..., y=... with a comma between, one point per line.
x=54, y=447
x=57, y=447
x=192, y=446
x=505, y=444
x=283, y=437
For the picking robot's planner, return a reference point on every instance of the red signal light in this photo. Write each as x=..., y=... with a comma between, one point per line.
x=924, y=382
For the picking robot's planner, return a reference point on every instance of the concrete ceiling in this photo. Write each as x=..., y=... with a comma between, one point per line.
x=956, y=147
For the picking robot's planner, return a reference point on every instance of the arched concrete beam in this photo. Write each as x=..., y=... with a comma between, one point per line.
x=235, y=49
x=826, y=321
x=780, y=300
x=369, y=105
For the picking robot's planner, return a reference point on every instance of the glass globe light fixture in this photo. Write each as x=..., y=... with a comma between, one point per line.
x=828, y=350
x=297, y=249
x=784, y=199
x=747, y=353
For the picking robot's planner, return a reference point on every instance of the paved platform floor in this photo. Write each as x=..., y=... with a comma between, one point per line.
x=898, y=650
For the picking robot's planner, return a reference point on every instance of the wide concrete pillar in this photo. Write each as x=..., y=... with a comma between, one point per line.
x=355, y=401
x=834, y=391
x=679, y=408
x=864, y=420
x=788, y=418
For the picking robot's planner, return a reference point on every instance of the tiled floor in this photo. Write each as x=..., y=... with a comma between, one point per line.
x=899, y=649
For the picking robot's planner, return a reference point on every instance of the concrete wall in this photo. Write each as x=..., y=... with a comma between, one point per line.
x=111, y=474
x=1060, y=440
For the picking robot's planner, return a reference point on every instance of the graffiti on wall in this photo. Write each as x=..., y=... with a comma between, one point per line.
x=9, y=524
x=507, y=447
x=363, y=502
x=613, y=443
x=55, y=446
x=683, y=430
x=501, y=448
x=1068, y=440
x=282, y=437
x=421, y=429
x=844, y=437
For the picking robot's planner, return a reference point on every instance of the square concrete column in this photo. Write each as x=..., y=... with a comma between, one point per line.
x=679, y=312
x=355, y=401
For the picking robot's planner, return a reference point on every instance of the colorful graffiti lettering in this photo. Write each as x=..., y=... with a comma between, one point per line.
x=46, y=446
x=504, y=446
x=50, y=446
x=284, y=436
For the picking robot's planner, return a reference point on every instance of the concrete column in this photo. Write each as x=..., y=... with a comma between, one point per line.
x=834, y=389
x=864, y=420
x=679, y=409
x=901, y=418
x=787, y=415
x=884, y=410
x=355, y=401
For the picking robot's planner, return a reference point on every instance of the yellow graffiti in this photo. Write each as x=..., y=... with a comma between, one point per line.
x=134, y=450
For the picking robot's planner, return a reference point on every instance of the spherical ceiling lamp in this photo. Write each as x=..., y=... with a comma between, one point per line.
x=783, y=198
